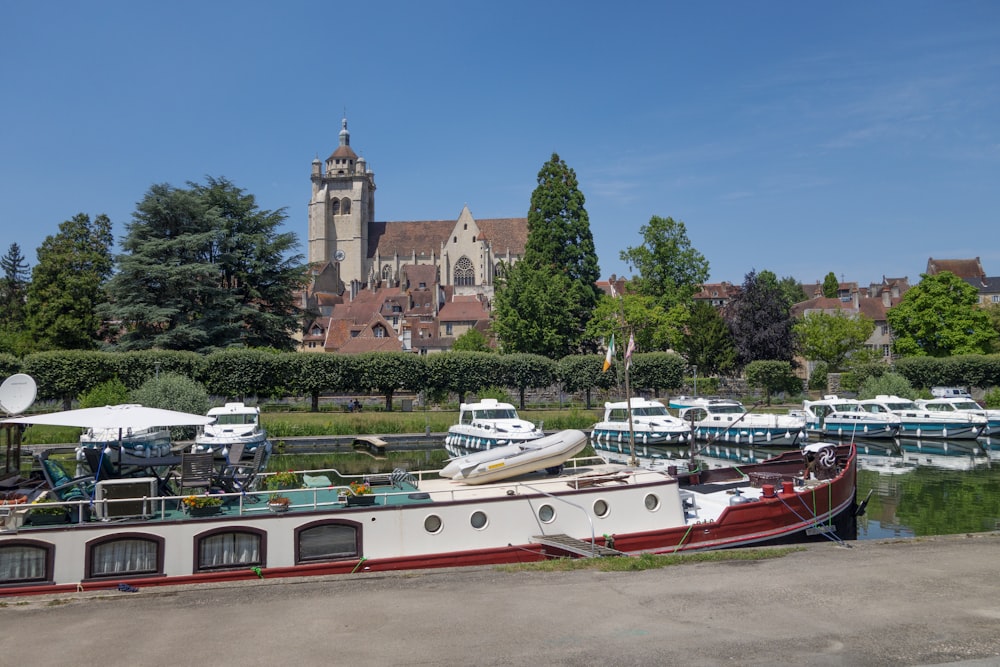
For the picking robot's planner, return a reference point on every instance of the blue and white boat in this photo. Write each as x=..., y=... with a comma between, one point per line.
x=652, y=424
x=964, y=405
x=487, y=424
x=727, y=420
x=917, y=422
x=844, y=418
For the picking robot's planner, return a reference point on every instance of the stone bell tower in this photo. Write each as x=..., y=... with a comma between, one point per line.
x=341, y=210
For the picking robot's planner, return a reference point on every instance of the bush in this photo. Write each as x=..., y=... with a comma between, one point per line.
x=992, y=398
x=892, y=384
x=818, y=379
x=112, y=392
x=174, y=392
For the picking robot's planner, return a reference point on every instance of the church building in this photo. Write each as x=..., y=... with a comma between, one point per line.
x=414, y=272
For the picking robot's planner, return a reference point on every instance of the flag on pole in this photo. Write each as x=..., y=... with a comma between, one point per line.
x=629, y=350
x=610, y=355
x=614, y=294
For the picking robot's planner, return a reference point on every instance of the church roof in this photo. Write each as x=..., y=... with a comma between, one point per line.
x=425, y=237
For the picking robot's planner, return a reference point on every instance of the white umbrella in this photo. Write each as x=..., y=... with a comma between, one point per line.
x=131, y=416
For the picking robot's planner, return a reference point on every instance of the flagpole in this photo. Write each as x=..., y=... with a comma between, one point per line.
x=628, y=404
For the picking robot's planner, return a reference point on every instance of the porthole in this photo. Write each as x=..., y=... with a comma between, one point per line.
x=652, y=502
x=432, y=524
x=478, y=520
x=546, y=513
x=601, y=508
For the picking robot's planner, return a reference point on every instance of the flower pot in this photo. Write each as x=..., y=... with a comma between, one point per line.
x=360, y=500
x=278, y=507
x=36, y=519
x=208, y=510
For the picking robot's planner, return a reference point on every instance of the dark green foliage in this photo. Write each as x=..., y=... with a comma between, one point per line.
x=463, y=372
x=174, y=392
x=772, y=377
x=582, y=372
x=670, y=269
x=708, y=342
x=818, y=379
x=66, y=374
x=760, y=321
x=832, y=337
x=521, y=371
x=67, y=285
x=543, y=302
x=831, y=286
x=792, y=290
x=135, y=368
x=890, y=384
x=967, y=370
x=312, y=374
x=940, y=317
x=533, y=312
x=204, y=269
x=13, y=288
x=656, y=371
x=9, y=365
x=238, y=373
x=387, y=372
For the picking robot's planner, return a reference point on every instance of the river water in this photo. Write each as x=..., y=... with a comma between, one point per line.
x=914, y=487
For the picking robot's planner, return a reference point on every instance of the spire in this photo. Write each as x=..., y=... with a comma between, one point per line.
x=345, y=136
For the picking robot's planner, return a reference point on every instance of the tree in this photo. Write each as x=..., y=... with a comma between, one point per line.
x=205, y=269
x=385, y=372
x=472, y=340
x=831, y=338
x=670, y=269
x=67, y=284
x=559, y=267
x=655, y=328
x=520, y=371
x=533, y=311
x=14, y=337
x=708, y=343
x=831, y=286
x=939, y=317
x=760, y=321
x=792, y=289
x=772, y=377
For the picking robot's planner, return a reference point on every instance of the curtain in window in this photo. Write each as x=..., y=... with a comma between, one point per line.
x=123, y=557
x=22, y=563
x=228, y=549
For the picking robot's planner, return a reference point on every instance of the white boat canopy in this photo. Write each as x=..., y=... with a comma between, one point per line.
x=130, y=416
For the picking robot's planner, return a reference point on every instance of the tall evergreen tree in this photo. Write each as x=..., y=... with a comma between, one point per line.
x=560, y=262
x=831, y=286
x=792, y=289
x=67, y=285
x=760, y=320
x=708, y=343
x=205, y=269
x=13, y=284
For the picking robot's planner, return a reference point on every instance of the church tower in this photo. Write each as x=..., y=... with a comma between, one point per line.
x=342, y=210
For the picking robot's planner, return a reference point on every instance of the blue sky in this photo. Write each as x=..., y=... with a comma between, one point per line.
x=798, y=137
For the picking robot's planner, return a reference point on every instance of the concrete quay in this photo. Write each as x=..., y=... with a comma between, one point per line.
x=921, y=601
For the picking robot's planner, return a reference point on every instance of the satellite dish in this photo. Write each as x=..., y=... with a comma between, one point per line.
x=17, y=393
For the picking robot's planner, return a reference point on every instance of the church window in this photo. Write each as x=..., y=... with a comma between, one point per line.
x=335, y=207
x=387, y=273
x=345, y=205
x=465, y=273
x=465, y=226
x=473, y=239
x=454, y=239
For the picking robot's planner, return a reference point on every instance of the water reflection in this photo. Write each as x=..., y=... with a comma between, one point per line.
x=914, y=487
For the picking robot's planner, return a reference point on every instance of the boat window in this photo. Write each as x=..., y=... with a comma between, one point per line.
x=118, y=555
x=617, y=415
x=936, y=407
x=601, y=508
x=327, y=541
x=654, y=411
x=25, y=561
x=546, y=513
x=432, y=524
x=239, y=420
x=652, y=502
x=498, y=413
x=479, y=520
x=966, y=405
x=229, y=548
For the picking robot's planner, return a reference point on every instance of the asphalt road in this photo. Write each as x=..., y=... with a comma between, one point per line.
x=902, y=602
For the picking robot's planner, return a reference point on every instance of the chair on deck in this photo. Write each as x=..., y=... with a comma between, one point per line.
x=197, y=472
x=63, y=487
x=241, y=476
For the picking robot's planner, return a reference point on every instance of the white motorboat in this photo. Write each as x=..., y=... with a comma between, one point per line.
x=546, y=453
x=233, y=423
x=844, y=418
x=727, y=420
x=917, y=422
x=486, y=424
x=964, y=405
x=652, y=424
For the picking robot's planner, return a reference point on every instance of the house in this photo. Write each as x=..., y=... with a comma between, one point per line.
x=717, y=294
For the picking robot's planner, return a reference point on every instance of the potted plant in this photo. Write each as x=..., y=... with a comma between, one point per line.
x=204, y=505
x=283, y=480
x=361, y=494
x=278, y=503
x=44, y=511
